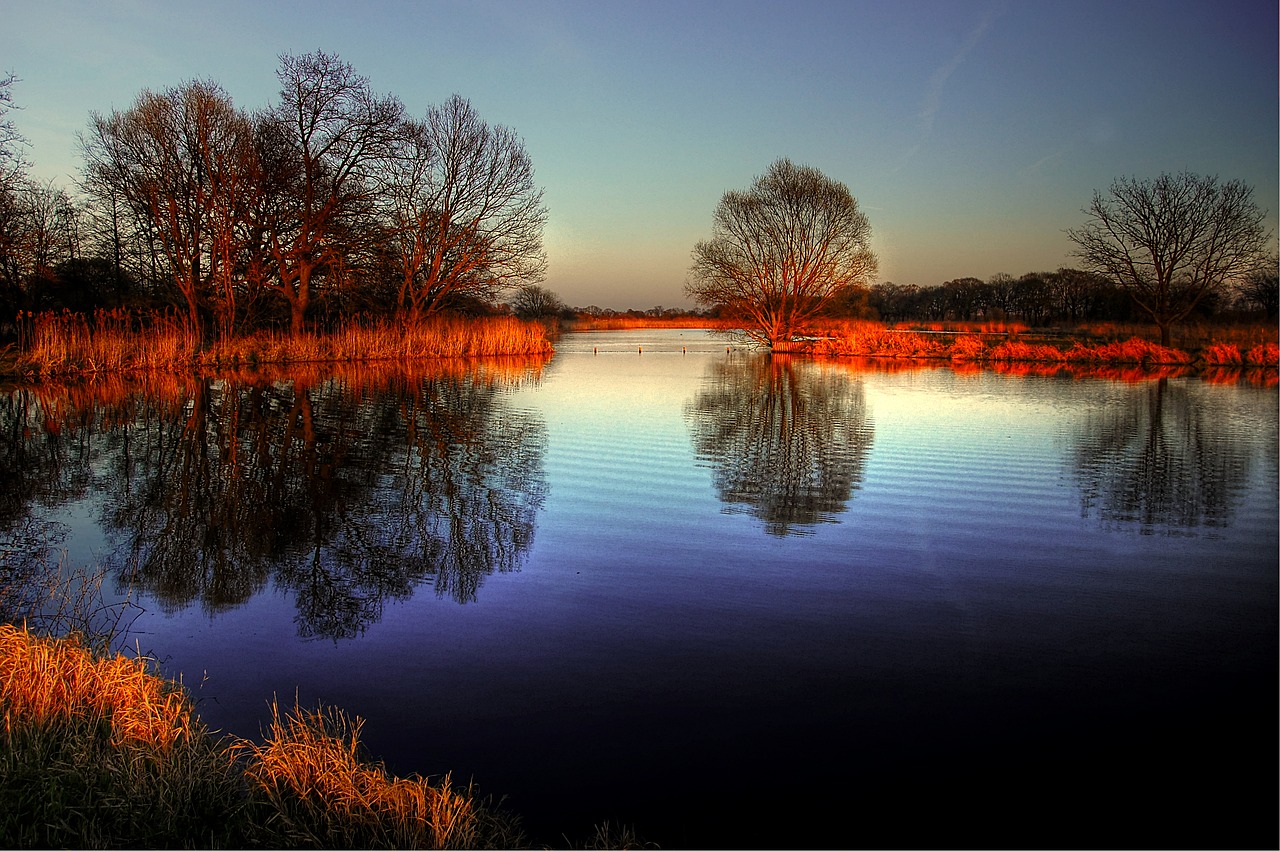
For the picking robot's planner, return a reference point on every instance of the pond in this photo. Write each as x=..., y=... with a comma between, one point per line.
x=732, y=600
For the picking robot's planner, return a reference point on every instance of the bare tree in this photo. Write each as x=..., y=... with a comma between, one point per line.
x=328, y=134
x=176, y=159
x=1260, y=288
x=780, y=250
x=13, y=163
x=466, y=216
x=1171, y=241
x=534, y=302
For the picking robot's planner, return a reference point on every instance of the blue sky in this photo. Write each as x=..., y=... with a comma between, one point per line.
x=971, y=132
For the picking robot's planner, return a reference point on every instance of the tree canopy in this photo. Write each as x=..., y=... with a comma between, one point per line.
x=781, y=250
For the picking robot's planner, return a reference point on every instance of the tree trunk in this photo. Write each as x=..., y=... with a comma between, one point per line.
x=298, y=316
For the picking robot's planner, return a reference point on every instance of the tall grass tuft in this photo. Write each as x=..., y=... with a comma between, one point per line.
x=51, y=681
x=320, y=790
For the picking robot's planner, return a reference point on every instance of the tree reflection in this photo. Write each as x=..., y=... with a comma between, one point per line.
x=786, y=441
x=345, y=492
x=1160, y=458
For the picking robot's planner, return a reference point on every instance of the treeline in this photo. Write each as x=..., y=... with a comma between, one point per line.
x=332, y=203
x=1040, y=299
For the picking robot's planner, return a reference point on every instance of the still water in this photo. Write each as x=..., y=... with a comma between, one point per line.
x=731, y=600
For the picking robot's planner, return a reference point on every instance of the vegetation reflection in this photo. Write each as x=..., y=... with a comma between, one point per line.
x=346, y=490
x=1159, y=457
x=787, y=440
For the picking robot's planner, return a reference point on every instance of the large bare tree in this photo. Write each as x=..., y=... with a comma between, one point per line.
x=1171, y=241
x=466, y=216
x=781, y=250
x=329, y=133
x=177, y=160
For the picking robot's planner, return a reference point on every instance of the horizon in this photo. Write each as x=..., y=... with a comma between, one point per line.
x=972, y=134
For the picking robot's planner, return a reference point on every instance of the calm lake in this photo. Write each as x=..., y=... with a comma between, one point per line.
x=729, y=599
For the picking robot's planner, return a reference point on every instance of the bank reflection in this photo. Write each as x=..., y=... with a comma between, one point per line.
x=786, y=440
x=347, y=491
x=1160, y=459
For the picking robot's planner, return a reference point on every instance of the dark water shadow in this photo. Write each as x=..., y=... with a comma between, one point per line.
x=344, y=490
x=786, y=440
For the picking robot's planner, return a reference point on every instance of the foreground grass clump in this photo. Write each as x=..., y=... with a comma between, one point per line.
x=112, y=341
x=320, y=791
x=98, y=751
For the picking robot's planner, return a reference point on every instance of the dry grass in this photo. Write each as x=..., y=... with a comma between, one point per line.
x=46, y=681
x=98, y=750
x=633, y=323
x=999, y=344
x=322, y=791
x=68, y=343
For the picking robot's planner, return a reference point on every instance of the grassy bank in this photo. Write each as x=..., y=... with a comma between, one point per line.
x=998, y=344
x=64, y=344
x=97, y=750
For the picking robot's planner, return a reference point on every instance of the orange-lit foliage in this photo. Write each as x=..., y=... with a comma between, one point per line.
x=310, y=768
x=1013, y=350
x=632, y=323
x=1223, y=354
x=1267, y=354
x=45, y=681
x=117, y=397
x=968, y=347
x=1133, y=350
x=68, y=343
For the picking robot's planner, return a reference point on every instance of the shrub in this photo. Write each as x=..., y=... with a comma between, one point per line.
x=968, y=347
x=1223, y=354
x=1266, y=354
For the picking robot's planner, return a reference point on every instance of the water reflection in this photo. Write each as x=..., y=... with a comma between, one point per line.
x=787, y=440
x=1160, y=457
x=347, y=491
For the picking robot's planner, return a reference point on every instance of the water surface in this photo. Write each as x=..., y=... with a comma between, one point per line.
x=733, y=600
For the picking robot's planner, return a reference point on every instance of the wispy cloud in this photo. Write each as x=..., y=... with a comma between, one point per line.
x=937, y=85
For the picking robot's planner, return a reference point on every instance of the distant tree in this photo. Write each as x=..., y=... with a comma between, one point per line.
x=894, y=302
x=966, y=298
x=853, y=302
x=465, y=216
x=534, y=302
x=1001, y=288
x=1171, y=241
x=781, y=250
x=1260, y=288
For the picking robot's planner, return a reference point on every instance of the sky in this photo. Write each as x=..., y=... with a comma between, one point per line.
x=972, y=132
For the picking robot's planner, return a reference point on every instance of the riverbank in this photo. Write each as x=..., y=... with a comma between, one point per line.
x=1245, y=348
x=110, y=341
x=98, y=750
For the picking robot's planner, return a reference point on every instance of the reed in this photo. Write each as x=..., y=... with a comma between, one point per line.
x=321, y=790
x=114, y=341
x=1002, y=344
